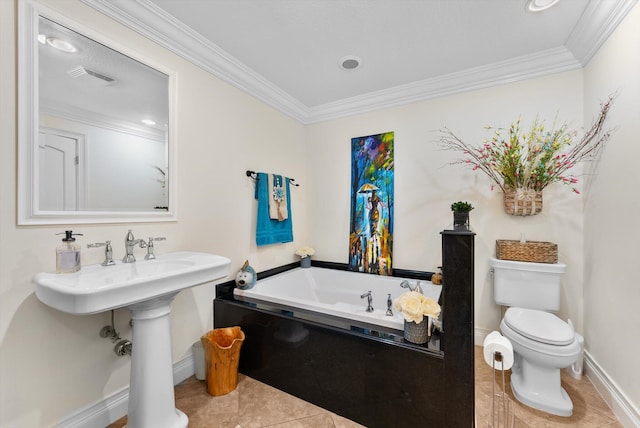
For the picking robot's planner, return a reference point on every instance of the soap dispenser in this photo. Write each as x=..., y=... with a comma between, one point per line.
x=68, y=253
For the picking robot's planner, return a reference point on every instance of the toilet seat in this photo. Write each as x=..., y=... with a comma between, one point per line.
x=520, y=341
x=539, y=326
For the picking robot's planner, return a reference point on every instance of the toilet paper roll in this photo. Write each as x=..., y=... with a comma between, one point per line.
x=498, y=343
x=490, y=337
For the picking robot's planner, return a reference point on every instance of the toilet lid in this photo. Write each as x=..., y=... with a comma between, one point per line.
x=540, y=326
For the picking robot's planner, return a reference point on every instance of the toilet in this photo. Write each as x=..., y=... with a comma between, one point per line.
x=542, y=342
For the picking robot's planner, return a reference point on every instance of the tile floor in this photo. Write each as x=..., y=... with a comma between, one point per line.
x=254, y=405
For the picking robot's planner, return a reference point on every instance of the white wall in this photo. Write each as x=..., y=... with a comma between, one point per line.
x=425, y=186
x=611, y=238
x=118, y=167
x=53, y=364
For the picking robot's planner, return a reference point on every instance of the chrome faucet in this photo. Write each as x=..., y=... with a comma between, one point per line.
x=129, y=243
x=407, y=284
x=108, y=252
x=150, y=254
x=389, y=304
x=369, y=300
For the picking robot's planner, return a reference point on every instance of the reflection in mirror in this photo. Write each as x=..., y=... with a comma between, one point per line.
x=99, y=144
x=93, y=96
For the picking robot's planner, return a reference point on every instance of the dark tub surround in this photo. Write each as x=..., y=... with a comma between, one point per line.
x=370, y=376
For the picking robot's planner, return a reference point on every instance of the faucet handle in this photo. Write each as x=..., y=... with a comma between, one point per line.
x=150, y=255
x=108, y=252
x=418, y=288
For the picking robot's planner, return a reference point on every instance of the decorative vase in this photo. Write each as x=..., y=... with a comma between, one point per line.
x=522, y=202
x=416, y=333
x=305, y=262
x=460, y=220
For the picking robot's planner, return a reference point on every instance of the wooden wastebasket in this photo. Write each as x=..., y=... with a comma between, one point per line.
x=222, y=355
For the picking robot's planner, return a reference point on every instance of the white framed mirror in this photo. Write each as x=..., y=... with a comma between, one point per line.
x=95, y=132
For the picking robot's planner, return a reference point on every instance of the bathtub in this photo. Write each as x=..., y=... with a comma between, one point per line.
x=334, y=293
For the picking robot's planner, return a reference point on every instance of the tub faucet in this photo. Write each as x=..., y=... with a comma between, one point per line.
x=407, y=284
x=369, y=300
x=389, y=303
x=129, y=243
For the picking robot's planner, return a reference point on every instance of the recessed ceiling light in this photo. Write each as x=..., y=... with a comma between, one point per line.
x=148, y=122
x=61, y=45
x=350, y=62
x=540, y=5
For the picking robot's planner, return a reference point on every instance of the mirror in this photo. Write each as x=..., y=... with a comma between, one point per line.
x=94, y=128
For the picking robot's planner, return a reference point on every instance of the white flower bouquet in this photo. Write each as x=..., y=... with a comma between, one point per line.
x=415, y=306
x=305, y=252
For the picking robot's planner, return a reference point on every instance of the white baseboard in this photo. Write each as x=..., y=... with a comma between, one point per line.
x=479, y=334
x=625, y=411
x=112, y=408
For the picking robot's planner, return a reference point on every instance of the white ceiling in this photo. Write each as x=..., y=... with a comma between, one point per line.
x=286, y=52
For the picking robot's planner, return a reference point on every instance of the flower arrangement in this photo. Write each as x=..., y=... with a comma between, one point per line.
x=414, y=306
x=533, y=159
x=305, y=252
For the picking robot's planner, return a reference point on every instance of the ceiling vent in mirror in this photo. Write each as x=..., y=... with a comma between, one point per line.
x=80, y=71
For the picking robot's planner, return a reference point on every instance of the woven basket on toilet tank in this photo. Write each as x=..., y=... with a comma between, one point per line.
x=528, y=251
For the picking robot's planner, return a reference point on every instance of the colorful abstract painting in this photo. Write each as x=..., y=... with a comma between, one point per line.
x=371, y=230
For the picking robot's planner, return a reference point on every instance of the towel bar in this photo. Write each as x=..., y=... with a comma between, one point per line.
x=254, y=176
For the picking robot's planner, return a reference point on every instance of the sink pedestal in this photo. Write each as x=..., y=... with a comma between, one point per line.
x=151, y=394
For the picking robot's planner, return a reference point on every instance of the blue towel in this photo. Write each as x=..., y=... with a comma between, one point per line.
x=271, y=231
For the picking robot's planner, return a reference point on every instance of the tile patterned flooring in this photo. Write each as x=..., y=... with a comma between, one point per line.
x=255, y=405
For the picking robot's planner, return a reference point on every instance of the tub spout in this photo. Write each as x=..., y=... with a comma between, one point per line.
x=369, y=300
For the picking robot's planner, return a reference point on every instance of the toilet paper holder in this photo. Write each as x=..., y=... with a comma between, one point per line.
x=502, y=413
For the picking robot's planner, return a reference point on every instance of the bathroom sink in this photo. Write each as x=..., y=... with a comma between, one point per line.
x=146, y=288
x=98, y=288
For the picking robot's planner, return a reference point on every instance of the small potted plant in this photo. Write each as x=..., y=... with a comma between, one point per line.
x=305, y=254
x=461, y=215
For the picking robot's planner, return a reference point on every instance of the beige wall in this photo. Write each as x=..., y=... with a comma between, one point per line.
x=426, y=186
x=53, y=364
x=611, y=238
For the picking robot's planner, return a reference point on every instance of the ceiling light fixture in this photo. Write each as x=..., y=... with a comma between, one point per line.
x=42, y=39
x=61, y=45
x=540, y=5
x=350, y=62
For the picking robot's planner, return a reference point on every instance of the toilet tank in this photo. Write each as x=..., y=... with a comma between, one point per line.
x=527, y=285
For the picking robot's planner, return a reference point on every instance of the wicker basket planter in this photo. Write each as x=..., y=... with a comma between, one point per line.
x=529, y=251
x=522, y=202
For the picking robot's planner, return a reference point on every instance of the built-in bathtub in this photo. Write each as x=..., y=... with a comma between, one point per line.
x=321, y=292
x=353, y=366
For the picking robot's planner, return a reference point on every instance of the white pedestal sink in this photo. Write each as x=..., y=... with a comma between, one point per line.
x=146, y=288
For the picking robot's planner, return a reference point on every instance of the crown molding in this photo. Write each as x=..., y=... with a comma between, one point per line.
x=154, y=23
x=525, y=67
x=599, y=20
x=100, y=120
